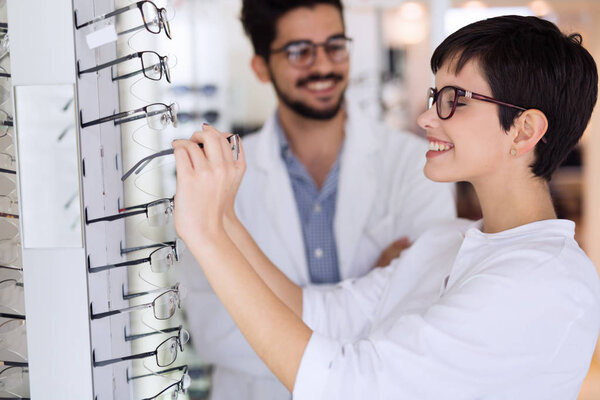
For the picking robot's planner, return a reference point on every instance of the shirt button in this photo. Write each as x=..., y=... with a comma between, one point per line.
x=319, y=253
x=317, y=208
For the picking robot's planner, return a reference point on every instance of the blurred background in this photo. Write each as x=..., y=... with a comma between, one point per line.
x=212, y=81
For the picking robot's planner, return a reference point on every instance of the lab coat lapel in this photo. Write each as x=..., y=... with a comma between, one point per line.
x=357, y=186
x=279, y=200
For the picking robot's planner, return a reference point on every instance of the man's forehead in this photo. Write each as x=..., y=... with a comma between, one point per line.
x=316, y=24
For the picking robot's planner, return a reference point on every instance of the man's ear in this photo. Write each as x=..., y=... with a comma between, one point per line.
x=260, y=68
x=531, y=127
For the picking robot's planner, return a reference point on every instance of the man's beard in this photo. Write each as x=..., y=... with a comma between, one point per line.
x=307, y=111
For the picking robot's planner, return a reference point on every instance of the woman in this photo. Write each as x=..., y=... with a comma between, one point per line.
x=504, y=308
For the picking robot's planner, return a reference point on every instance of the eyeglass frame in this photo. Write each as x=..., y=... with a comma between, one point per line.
x=139, y=356
x=183, y=368
x=129, y=338
x=314, y=46
x=121, y=118
x=137, y=307
x=159, y=12
x=433, y=94
x=122, y=214
x=129, y=296
x=138, y=261
x=180, y=387
x=163, y=61
x=141, y=164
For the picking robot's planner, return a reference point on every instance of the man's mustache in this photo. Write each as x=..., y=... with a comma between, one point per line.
x=317, y=77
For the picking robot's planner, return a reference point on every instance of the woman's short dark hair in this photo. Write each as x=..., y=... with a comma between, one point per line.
x=529, y=62
x=259, y=18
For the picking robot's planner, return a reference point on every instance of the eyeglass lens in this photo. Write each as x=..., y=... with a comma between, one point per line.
x=166, y=353
x=159, y=116
x=154, y=18
x=159, y=212
x=165, y=305
x=303, y=54
x=162, y=259
x=153, y=66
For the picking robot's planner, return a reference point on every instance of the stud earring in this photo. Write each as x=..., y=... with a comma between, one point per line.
x=513, y=152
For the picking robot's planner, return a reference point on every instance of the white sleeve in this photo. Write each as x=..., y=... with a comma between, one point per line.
x=480, y=338
x=346, y=310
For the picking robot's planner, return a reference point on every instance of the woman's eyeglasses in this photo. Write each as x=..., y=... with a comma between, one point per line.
x=158, y=116
x=303, y=53
x=234, y=141
x=158, y=213
x=160, y=260
x=153, y=66
x=446, y=101
x=155, y=19
x=165, y=353
x=163, y=306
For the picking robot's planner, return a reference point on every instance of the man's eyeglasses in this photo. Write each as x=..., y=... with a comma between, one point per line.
x=153, y=66
x=160, y=260
x=158, y=116
x=158, y=212
x=165, y=353
x=446, y=101
x=155, y=19
x=234, y=141
x=163, y=306
x=303, y=53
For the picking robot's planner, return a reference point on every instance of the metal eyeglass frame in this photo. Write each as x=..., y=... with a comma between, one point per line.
x=162, y=62
x=140, y=355
x=178, y=329
x=161, y=14
x=234, y=140
x=122, y=117
x=433, y=94
x=183, y=368
x=313, y=46
x=125, y=250
x=174, y=253
x=152, y=304
x=180, y=386
x=129, y=296
x=126, y=212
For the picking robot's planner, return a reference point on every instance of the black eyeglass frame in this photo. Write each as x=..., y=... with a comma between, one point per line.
x=126, y=212
x=286, y=49
x=162, y=23
x=162, y=61
x=138, y=261
x=122, y=117
x=140, y=355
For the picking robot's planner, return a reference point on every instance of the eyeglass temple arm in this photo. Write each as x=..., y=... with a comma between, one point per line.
x=4, y=75
x=121, y=264
x=126, y=358
x=12, y=268
x=164, y=371
x=121, y=311
x=129, y=338
x=147, y=114
x=12, y=316
x=127, y=296
x=8, y=123
x=109, y=64
x=104, y=16
x=14, y=364
x=110, y=117
x=8, y=171
x=112, y=217
x=150, y=246
x=145, y=160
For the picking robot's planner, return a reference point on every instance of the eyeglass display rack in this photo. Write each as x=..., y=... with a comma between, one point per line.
x=14, y=380
x=59, y=291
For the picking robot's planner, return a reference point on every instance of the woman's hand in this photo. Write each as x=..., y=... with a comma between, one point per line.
x=207, y=182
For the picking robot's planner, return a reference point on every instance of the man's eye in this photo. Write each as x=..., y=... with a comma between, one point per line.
x=299, y=51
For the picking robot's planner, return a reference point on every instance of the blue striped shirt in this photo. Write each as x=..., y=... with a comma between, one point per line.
x=317, y=211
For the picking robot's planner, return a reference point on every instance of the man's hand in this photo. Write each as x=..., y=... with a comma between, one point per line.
x=393, y=251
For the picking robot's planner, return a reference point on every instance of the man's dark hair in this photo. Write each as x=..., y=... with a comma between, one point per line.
x=528, y=62
x=259, y=18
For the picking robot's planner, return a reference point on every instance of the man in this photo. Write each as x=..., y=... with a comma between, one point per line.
x=327, y=195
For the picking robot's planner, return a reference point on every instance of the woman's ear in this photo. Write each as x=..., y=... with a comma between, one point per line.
x=260, y=68
x=531, y=127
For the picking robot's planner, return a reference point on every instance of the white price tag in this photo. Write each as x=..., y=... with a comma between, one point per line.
x=101, y=36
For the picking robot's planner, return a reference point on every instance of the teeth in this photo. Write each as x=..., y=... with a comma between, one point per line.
x=320, y=85
x=438, y=146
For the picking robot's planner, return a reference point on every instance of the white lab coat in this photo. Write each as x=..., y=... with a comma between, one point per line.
x=382, y=196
